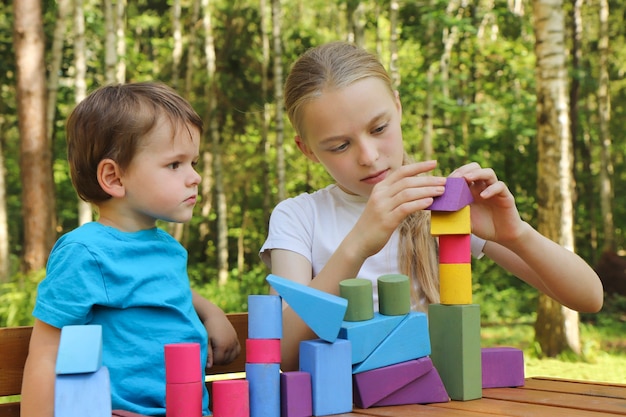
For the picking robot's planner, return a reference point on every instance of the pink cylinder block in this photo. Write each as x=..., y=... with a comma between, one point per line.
x=182, y=363
x=183, y=380
x=183, y=400
x=231, y=398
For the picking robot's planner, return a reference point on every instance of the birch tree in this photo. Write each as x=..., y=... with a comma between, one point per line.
x=556, y=327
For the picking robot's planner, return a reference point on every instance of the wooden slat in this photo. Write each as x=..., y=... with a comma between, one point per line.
x=10, y=410
x=572, y=402
x=415, y=410
x=488, y=406
x=599, y=389
x=14, y=349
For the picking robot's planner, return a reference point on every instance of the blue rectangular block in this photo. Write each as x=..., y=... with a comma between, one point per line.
x=264, y=384
x=330, y=366
x=80, y=349
x=81, y=395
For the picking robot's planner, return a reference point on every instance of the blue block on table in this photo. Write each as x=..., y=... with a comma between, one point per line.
x=366, y=335
x=321, y=311
x=409, y=340
x=81, y=395
x=331, y=375
x=80, y=349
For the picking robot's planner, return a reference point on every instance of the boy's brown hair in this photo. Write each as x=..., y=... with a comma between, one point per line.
x=111, y=122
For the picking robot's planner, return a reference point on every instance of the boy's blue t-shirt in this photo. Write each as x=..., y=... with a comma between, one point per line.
x=136, y=286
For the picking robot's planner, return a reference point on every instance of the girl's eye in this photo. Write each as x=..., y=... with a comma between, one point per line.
x=340, y=148
x=380, y=129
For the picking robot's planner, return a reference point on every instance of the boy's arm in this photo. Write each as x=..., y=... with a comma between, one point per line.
x=223, y=341
x=39, y=372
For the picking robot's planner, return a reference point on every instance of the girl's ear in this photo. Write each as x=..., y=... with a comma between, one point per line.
x=110, y=178
x=304, y=148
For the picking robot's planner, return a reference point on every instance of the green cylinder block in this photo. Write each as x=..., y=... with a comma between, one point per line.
x=394, y=294
x=358, y=292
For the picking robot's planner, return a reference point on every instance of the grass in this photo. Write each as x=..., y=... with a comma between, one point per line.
x=603, y=347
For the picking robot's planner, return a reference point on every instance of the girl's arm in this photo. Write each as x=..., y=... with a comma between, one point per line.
x=520, y=249
x=403, y=192
x=39, y=371
x=552, y=269
x=223, y=342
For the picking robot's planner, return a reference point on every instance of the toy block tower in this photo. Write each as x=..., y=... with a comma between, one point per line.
x=390, y=347
x=327, y=360
x=454, y=324
x=82, y=385
x=263, y=354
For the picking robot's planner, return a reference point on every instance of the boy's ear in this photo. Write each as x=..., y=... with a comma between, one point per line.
x=304, y=148
x=110, y=178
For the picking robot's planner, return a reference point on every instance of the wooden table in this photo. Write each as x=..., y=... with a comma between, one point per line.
x=538, y=397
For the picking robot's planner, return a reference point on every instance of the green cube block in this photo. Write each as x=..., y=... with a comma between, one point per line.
x=456, y=352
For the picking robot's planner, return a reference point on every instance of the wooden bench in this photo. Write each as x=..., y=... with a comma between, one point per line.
x=14, y=349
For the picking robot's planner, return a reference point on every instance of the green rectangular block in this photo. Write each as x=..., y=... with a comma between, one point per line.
x=456, y=353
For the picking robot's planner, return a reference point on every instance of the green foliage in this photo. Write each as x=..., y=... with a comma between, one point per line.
x=232, y=297
x=17, y=299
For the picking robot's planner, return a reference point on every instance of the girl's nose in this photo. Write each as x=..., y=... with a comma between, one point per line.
x=368, y=153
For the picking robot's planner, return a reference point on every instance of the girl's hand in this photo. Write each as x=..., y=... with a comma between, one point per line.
x=494, y=214
x=403, y=192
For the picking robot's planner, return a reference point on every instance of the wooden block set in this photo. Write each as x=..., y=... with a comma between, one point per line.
x=454, y=324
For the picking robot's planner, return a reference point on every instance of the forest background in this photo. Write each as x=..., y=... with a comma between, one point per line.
x=472, y=86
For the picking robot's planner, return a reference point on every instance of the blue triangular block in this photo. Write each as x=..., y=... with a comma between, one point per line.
x=366, y=335
x=409, y=340
x=321, y=311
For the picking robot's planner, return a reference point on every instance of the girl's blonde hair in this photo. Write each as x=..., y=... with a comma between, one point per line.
x=338, y=65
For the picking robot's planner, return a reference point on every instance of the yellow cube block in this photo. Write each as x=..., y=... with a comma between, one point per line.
x=451, y=222
x=455, y=283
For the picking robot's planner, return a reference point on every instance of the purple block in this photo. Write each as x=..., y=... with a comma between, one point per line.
x=425, y=390
x=295, y=394
x=502, y=367
x=411, y=382
x=456, y=196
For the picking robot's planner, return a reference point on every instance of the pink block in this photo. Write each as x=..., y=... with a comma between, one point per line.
x=183, y=400
x=455, y=249
x=410, y=382
x=295, y=394
x=231, y=398
x=262, y=350
x=182, y=363
x=456, y=196
x=502, y=367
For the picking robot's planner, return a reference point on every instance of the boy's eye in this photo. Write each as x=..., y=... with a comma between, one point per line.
x=174, y=165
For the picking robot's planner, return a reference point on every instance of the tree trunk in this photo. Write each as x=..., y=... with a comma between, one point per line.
x=120, y=27
x=216, y=154
x=35, y=153
x=394, y=72
x=278, y=96
x=267, y=113
x=604, y=113
x=85, y=212
x=556, y=328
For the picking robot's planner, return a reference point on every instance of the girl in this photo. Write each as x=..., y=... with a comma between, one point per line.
x=373, y=221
